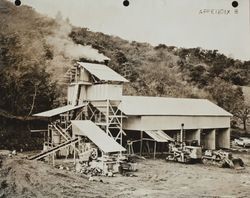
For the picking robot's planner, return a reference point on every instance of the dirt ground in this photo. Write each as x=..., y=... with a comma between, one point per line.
x=20, y=177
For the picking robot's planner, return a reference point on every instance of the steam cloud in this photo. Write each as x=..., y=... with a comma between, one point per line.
x=64, y=46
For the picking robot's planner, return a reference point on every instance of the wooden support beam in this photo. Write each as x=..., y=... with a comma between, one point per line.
x=107, y=117
x=154, y=149
x=141, y=143
x=121, y=130
x=53, y=158
x=38, y=131
x=74, y=153
x=147, y=139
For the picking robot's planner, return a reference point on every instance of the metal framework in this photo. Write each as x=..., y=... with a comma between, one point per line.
x=106, y=115
x=103, y=113
x=62, y=128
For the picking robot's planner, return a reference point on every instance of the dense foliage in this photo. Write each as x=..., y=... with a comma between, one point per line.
x=175, y=72
x=26, y=86
x=31, y=63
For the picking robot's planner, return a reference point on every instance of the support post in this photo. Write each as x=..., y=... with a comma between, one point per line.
x=198, y=136
x=107, y=117
x=121, y=128
x=210, y=139
x=120, y=131
x=141, y=143
x=193, y=135
x=223, y=138
x=53, y=159
x=48, y=136
x=44, y=136
x=74, y=153
x=79, y=141
x=154, y=149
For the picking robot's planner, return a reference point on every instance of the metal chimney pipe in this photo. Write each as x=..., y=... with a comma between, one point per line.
x=182, y=128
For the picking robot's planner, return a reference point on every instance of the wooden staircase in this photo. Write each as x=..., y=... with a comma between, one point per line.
x=71, y=75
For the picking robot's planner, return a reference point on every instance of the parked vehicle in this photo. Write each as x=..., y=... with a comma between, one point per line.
x=242, y=141
x=184, y=154
x=222, y=159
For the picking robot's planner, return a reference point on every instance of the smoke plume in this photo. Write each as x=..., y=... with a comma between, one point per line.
x=64, y=46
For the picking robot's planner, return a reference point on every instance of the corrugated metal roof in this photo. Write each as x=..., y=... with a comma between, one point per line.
x=159, y=136
x=140, y=105
x=57, y=111
x=103, y=72
x=101, y=139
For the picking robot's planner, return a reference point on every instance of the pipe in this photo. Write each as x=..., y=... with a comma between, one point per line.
x=182, y=129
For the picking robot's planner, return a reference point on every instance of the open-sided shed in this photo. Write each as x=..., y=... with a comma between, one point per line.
x=200, y=119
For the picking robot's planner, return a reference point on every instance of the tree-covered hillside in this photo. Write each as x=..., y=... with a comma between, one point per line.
x=36, y=51
x=175, y=72
x=24, y=59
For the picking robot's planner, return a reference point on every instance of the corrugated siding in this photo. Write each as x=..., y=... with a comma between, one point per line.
x=159, y=136
x=83, y=94
x=72, y=94
x=104, y=92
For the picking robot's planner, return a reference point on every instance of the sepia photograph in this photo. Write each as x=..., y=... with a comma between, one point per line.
x=124, y=98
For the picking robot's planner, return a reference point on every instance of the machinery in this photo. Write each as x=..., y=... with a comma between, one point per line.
x=193, y=153
x=180, y=152
x=184, y=154
x=88, y=152
x=222, y=159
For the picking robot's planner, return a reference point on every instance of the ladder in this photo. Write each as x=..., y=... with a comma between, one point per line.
x=71, y=75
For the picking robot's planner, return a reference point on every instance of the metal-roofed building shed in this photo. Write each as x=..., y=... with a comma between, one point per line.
x=200, y=119
x=102, y=72
x=97, y=110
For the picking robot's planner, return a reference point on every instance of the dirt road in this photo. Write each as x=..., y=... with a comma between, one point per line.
x=156, y=178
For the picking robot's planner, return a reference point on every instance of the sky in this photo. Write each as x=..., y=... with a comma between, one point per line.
x=188, y=23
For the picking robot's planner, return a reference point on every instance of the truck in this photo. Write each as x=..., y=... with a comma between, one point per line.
x=222, y=159
x=242, y=141
x=184, y=154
